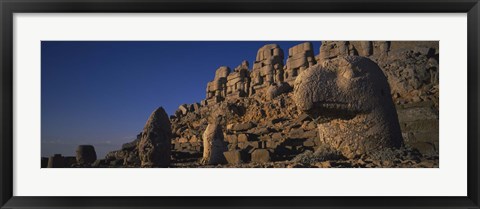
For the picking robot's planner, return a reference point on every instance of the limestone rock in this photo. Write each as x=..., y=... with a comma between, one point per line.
x=213, y=145
x=86, y=154
x=154, y=146
x=349, y=97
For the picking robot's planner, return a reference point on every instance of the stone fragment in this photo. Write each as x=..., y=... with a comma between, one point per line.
x=303, y=117
x=242, y=126
x=277, y=136
x=243, y=138
x=154, y=145
x=260, y=156
x=233, y=157
x=232, y=139
x=183, y=109
x=276, y=89
x=56, y=161
x=309, y=143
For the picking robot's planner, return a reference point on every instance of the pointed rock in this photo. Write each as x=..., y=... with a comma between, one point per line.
x=155, y=142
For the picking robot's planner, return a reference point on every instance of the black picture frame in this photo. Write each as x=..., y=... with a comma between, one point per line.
x=9, y=7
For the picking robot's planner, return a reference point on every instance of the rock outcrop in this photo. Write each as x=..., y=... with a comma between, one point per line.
x=349, y=97
x=154, y=145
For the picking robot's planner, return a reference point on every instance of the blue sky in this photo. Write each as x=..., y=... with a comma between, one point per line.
x=102, y=92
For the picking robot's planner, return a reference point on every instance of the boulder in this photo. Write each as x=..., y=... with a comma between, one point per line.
x=242, y=126
x=243, y=138
x=260, y=156
x=155, y=143
x=233, y=157
x=86, y=154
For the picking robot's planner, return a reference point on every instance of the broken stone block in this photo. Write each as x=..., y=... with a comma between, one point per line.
x=277, y=136
x=271, y=144
x=232, y=139
x=261, y=156
x=242, y=138
x=233, y=157
x=309, y=143
x=183, y=109
x=242, y=126
x=56, y=161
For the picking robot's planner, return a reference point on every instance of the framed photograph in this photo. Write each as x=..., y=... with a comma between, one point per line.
x=238, y=104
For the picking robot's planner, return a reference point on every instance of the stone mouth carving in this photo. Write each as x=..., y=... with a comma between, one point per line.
x=349, y=99
x=327, y=111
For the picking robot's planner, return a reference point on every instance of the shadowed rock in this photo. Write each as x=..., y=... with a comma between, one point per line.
x=56, y=161
x=350, y=99
x=86, y=154
x=154, y=145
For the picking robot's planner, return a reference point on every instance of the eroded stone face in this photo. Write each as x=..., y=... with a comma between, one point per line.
x=213, y=145
x=154, y=145
x=350, y=98
x=86, y=154
x=238, y=82
x=217, y=89
x=267, y=68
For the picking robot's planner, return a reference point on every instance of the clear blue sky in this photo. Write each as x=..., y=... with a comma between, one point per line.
x=102, y=92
